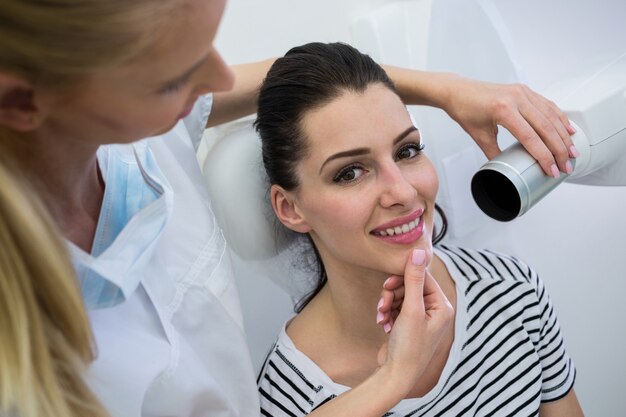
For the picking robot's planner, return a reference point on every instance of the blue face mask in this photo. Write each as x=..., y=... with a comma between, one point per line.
x=136, y=207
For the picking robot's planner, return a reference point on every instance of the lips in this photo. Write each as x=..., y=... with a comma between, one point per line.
x=185, y=112
x=402, y=230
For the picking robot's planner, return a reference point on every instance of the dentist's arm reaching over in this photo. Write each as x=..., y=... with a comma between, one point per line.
x=479, y=107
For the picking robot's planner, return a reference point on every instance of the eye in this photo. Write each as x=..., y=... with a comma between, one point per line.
x=409, y=151
x=348, y=174
x=173, y=86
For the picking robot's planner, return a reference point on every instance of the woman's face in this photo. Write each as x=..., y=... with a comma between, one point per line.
x=367, y=192
x=149, y=95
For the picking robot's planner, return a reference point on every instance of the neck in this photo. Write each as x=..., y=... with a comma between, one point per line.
x=338, y=329
x=349, y=301
x=66, y=172
x=352, y=301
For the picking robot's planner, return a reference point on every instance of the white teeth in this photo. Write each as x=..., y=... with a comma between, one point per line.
x=405, y=228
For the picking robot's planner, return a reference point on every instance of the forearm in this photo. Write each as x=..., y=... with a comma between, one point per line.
x=242, y=99
x=421, y=87
x=414, y=87
x=373, y=397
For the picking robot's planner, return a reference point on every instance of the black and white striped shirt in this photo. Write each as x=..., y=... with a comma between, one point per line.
x=507, y=356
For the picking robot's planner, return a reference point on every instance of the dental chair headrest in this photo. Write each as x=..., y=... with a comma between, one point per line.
x=233, y=169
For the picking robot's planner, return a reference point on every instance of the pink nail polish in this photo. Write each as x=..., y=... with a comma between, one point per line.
x=386, y=282
x=555, y=171
x=574, y=151
x=571, y=129
x=568, y=167
x=380, y=303
x=387, y=327
x=418, y=257
x=379, y=317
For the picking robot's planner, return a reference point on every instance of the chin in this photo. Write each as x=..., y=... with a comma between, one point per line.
x=429, y=252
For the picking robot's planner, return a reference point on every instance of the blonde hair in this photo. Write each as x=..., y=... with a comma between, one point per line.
x=55, y=41
x=44, y=330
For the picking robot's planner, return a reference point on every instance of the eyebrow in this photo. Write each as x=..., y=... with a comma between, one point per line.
x=363, y=151
x=187, y=73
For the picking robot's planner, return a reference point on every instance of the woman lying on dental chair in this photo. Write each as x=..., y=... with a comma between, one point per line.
x=348, y=174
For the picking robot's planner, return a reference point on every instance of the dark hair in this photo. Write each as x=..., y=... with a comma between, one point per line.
x=306, y=78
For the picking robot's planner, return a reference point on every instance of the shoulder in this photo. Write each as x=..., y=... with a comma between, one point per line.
x=486, y=264
x=285, y=388
x=493, y=282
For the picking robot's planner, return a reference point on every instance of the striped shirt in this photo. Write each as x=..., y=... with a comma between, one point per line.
x=507, y=357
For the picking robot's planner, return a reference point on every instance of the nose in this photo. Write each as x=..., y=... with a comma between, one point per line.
x=396, y=190
x=215, y=75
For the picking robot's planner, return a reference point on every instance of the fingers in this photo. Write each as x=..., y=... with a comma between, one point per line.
x=420, y=325
x=432, y=288
x=393, y=283
x=383, y=310
x=432, y=302
x=542, y=129
x=436, y=303
x=551, y=109
x=488, y=143
x=553, y=133
x=398, y=298
x=392, y=294
x=414, y=276
x=390, y=301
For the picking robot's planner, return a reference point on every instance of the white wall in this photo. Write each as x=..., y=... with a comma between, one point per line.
x=574, y=238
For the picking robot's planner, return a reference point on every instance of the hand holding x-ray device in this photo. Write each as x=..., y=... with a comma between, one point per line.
x=595, y=102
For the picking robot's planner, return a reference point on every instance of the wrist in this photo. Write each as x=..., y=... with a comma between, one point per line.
x=443, y=88
x=395, y=381
x=372, y=398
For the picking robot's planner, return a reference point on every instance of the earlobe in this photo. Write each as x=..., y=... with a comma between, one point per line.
x=287, y=211
x=18, y=110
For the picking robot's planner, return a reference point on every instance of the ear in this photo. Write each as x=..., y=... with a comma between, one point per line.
x=18, y=110
x=287, y=210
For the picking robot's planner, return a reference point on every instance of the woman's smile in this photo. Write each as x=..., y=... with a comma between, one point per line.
x=404, y=230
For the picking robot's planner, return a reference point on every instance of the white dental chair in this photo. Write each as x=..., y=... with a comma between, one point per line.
x=266, y=275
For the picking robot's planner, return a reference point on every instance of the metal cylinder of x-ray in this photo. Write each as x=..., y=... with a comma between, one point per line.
x=510, y=184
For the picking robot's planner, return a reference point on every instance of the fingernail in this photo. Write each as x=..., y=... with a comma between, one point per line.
x=574, y=151
x=380, y=303
x=379, y=317
x=386, y=282
x=571, y=129
x=555, y=171
x=418, y=257
x=387, y=327
x=568, y=167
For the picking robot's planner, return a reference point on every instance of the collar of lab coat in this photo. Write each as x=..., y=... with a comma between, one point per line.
x=136, y=207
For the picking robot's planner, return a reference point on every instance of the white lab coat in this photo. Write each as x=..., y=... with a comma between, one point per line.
x=176, y=346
